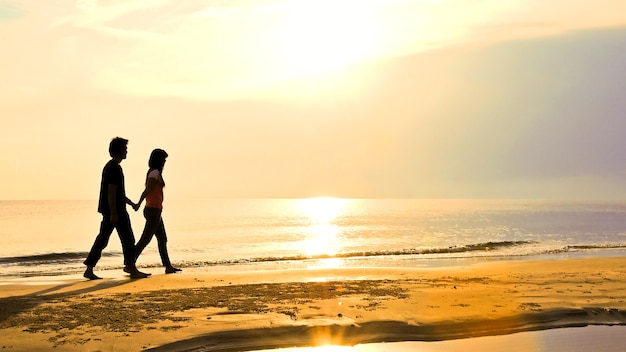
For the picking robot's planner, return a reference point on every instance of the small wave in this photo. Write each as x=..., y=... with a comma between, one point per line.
x=596, y=246
x=68, y=257
x=50, y=258
x=582, y=247
x=479, y=247
x=504, y=248
x=527, y=248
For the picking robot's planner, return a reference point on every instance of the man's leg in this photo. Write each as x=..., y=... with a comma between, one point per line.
x=102, y=240
x=125, y=231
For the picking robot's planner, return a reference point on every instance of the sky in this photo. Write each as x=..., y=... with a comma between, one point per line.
x=316, y=98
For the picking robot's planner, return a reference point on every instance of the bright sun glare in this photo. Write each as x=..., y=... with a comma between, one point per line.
x=318, y=349
x=323, y=236
x=322, y=35
x=322, y=210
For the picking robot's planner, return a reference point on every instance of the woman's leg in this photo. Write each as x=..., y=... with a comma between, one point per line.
x=153, y=219
x=161, y=237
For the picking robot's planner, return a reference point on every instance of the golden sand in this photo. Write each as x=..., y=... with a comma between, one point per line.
x=241, y=311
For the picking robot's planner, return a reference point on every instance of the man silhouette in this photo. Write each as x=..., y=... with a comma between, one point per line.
x=112, y=206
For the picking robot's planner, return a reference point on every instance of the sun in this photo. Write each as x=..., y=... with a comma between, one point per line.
x=322, y=211
x=319, y=36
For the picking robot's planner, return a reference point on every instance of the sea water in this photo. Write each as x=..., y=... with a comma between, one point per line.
x=45, y=238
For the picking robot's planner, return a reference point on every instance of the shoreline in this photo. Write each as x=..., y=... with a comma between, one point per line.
x=391, y=261
x=252, y=310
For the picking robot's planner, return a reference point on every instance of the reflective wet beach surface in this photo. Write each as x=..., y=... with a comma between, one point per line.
x=590, y=338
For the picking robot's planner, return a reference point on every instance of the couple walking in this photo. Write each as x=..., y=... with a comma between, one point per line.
x=112, y=206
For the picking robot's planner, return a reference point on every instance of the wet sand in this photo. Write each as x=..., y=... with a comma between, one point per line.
x=205, y=309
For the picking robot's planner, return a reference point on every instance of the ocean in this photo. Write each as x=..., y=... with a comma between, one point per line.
x=52, y=238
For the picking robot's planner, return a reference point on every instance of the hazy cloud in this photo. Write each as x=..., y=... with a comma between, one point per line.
x=9, y=11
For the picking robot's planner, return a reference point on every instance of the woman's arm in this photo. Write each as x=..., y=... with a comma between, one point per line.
x=150, y=186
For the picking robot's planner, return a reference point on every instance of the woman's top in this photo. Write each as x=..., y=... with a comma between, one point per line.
x=154, y=198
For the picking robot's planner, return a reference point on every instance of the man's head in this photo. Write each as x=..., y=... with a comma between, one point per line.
x=118, y=147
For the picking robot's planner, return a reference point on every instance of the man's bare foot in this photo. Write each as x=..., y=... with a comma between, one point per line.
x=135, y=273
x=130, y=270
x=88, y=274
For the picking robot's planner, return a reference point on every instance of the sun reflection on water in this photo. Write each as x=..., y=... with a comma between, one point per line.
x=329, y=348
x=323, y=237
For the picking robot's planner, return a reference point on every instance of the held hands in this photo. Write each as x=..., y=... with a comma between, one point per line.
x=138, y=205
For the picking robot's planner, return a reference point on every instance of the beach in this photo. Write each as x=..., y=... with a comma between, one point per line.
x=209, y=309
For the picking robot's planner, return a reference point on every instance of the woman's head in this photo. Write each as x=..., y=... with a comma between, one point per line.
x=157, y=159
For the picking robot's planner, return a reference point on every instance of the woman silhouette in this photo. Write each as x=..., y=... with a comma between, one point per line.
x=153, y=194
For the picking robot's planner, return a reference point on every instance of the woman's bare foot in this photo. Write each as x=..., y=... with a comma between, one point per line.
x=171, y=270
